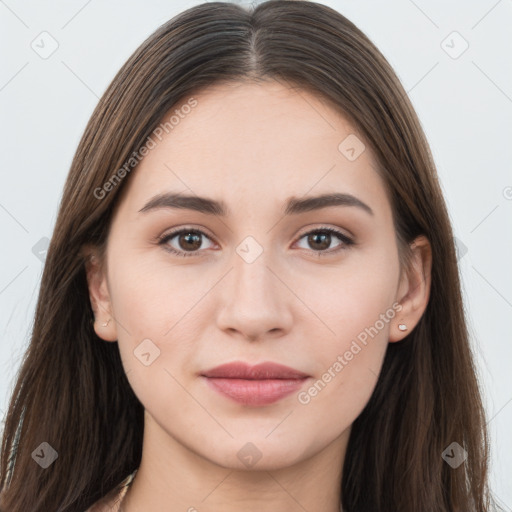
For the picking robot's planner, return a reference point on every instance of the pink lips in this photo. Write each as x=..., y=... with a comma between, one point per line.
x=262, y=384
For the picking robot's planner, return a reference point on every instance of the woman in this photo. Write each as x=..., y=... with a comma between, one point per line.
x=251, y=297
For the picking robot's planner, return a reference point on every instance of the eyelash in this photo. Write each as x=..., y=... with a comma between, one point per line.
x=347, y=242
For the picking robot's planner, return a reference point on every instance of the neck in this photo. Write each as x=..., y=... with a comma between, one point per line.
x=172, y=477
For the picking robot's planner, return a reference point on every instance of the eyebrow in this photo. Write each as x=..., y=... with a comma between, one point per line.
x=293, y=206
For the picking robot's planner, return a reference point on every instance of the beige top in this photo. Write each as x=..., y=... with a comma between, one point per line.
x=112, y=501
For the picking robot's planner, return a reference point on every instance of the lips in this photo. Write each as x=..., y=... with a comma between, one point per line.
x=240, y=370
x=262, y=384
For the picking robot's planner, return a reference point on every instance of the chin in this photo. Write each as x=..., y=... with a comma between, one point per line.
x=259, y=454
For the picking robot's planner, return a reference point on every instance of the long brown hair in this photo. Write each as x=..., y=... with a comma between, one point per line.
x=71, y=390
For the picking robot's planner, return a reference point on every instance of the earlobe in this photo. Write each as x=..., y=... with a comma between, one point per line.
x=414, y=290
x=107, y=330
x=104, y=326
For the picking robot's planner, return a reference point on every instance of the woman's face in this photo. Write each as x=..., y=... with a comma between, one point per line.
x=261, y=282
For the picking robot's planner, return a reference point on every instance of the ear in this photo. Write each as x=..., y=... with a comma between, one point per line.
x=413, y=290
x=95, y=269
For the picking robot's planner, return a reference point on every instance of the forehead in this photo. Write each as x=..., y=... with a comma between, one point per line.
x=255, y=143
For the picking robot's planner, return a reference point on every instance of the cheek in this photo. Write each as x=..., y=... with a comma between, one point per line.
x=347, y=364
x=154, y=309
x=353, y=300
x=356, y=310
x=150, y=297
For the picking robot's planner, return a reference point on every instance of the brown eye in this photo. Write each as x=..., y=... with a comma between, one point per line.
x=319, y=240
x=187, y=243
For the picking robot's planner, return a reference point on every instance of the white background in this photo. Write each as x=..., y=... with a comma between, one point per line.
x=464, y=104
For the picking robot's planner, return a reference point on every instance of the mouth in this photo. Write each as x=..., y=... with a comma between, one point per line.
x=258, y=385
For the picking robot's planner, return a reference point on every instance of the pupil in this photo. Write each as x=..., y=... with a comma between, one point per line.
x=188, y=237
x=326, y=239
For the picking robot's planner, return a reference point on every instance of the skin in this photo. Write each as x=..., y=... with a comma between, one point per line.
x=252, y=146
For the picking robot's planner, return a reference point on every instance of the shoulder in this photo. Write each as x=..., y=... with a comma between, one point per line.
x=111, y=501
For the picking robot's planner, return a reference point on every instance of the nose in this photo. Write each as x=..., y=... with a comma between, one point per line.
x=255, y=302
